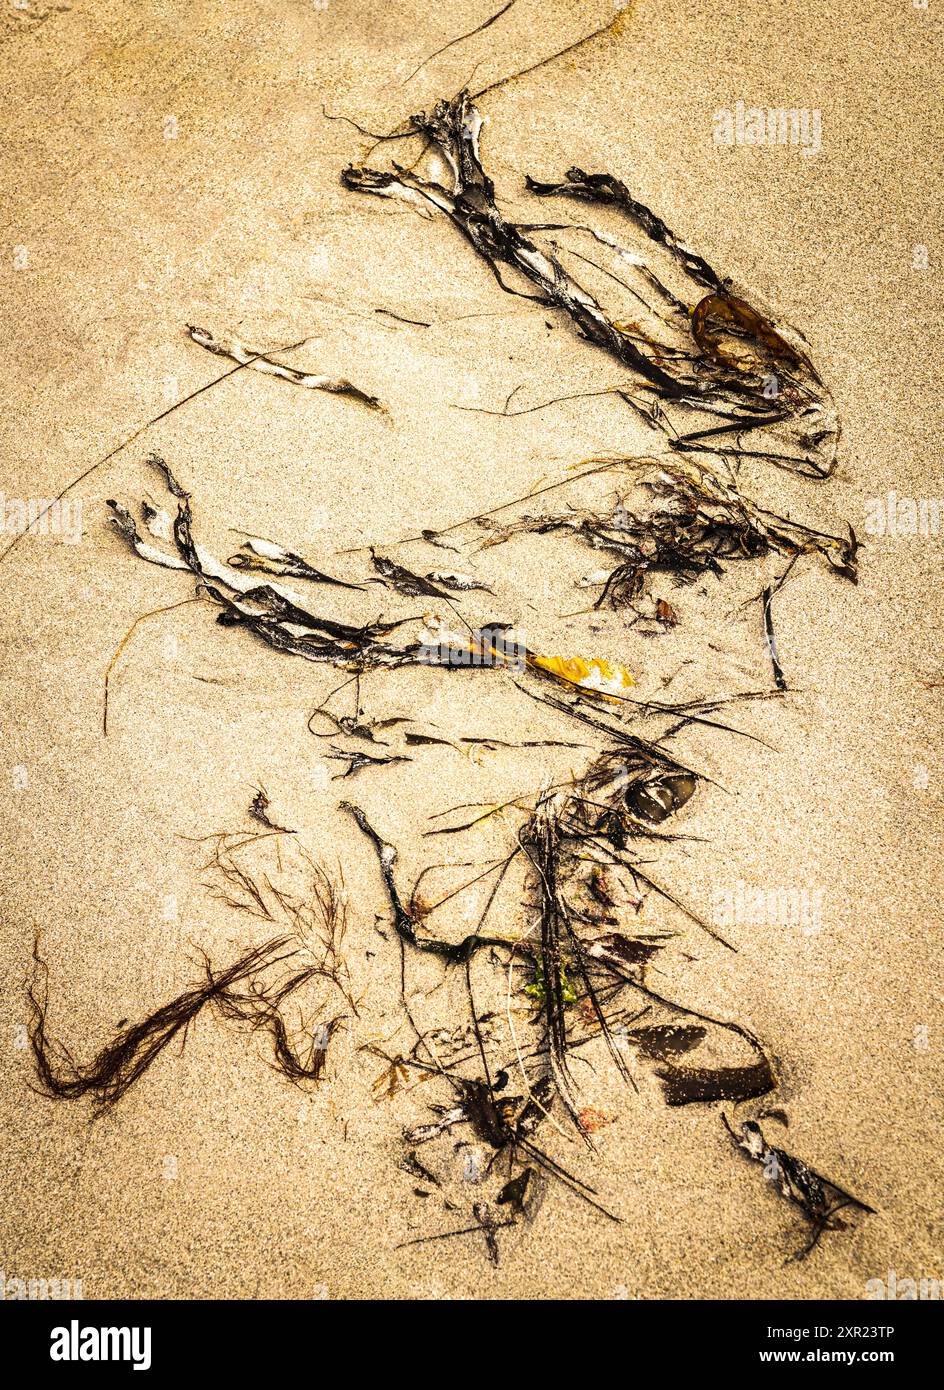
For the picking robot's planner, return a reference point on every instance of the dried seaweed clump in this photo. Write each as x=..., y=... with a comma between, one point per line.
x=250, y=594
x=581, y=970
x=580, y=964
x=699, y=523
x=267, y=608
x=701, y=350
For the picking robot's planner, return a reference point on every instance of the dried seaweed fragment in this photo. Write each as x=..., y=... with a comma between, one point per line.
x=593, y=675
x=784, y=394
x=405, y=919
x=255, y=553
x=312, y=905
x=257, y=358
x=404, y=580
x=125, y=524
x=259, y=1009
x=357, y=761
x=698, y=522
x=259, y=810
x=271, y=611
x=625, y=952
x=462, y=583
x=666, y=1040
x=515, y=1191
x=733, y=334
x=682, y=1085
x=695, y=1052
x=770, y=638
x=818, y=1198
x=454, y=128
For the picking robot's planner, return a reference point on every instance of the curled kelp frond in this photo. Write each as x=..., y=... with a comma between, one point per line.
x=257, y=359
x=297, y=631
x=126, y=526
x=818, y=1198
x=730, y=361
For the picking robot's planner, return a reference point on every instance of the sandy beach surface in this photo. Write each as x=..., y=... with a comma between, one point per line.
x=167, y=165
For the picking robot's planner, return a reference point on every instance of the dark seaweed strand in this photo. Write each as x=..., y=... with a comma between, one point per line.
x=780, y=679
x=460, y=38
x=121, y=1062
x=604, y=188
x=453, y=127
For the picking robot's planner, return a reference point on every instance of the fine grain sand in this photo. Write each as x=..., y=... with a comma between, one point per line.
x=171, y=164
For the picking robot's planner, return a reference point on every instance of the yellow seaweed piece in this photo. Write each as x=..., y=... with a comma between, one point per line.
x=592, y=674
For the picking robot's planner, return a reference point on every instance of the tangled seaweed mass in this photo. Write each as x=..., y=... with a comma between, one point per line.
x=558, y=938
